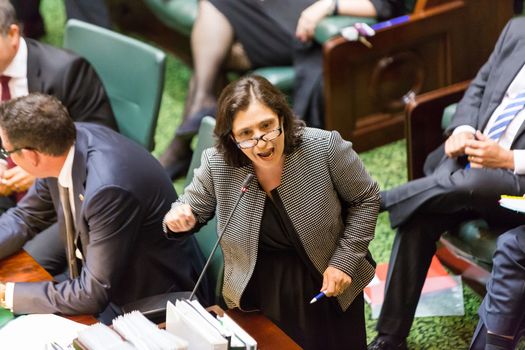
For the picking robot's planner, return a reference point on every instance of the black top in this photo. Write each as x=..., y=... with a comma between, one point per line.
x=285, y=280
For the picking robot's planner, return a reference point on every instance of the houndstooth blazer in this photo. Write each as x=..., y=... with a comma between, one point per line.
x=319, y=179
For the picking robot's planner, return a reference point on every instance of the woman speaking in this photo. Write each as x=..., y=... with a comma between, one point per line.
x=303, y=227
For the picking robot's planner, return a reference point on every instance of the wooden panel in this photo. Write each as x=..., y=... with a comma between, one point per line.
x=423, y=124
x=440, y=43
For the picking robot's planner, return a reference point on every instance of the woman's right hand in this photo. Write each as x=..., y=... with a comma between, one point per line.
x=180, y=218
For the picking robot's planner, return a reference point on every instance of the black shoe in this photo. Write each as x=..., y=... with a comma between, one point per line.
x=190, y=126
x=179, y=168
x=384, y=344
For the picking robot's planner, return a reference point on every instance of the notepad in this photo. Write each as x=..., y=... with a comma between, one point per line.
x=513, y=203
x=42, y=328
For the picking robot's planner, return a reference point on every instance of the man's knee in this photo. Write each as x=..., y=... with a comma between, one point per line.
x=509, y=240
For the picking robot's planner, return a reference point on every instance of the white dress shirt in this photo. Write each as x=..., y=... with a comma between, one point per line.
x=17, y=70
x=517, y=86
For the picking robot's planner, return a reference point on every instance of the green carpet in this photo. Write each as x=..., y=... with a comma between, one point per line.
x=386, y=164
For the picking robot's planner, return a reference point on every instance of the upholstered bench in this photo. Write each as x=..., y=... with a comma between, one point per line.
x=180, y=15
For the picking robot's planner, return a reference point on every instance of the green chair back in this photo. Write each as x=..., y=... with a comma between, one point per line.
x=207, y=235
x=132, y=73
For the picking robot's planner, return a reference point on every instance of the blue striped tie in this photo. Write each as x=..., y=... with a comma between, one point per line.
x=513, y=107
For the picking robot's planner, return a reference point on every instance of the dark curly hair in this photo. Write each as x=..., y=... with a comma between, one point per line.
x=237, y=97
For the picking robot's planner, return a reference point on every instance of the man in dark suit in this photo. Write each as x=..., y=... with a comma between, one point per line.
x=29, y=66
x=109, y=197
x=482, y=158
x=502, y=312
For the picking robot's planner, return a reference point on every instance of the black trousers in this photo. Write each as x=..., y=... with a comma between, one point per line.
x=422, y=210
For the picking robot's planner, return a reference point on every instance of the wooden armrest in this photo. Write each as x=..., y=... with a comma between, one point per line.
x=423, y=124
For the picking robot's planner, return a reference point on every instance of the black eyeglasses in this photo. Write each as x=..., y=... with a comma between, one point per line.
x=5, y=153
x=250, y=143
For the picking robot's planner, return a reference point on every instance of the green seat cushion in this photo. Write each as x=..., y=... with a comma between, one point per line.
x=331, y=26
x=281, y=77
x=176, y=14
x=476, y=240
x=448, y=113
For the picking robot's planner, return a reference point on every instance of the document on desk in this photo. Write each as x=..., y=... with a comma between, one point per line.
x=35, y=332
x=185, y=321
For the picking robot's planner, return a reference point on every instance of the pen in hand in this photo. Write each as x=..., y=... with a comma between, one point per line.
x=317, y=297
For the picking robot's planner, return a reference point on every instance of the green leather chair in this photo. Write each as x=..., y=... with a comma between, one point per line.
x=468, y=248
x=154, y=307
x=207, y=235
x=132, y=73
x=180, y=15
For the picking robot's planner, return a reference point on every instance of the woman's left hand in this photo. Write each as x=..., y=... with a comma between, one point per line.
x=335, y=281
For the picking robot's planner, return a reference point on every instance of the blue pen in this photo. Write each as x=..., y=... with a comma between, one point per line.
x=317, y=297
x=390, y=23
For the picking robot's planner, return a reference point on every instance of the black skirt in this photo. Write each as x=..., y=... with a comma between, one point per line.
x=266, y=29
x=284, y=282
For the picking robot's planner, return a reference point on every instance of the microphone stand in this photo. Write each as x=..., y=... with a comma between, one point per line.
x=244, y=189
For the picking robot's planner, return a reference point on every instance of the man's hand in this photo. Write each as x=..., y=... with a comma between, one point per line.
x=456, y=143
x=180, y=219
x=17, y=179
x=487, y=153
x=310, y=17
x=335, y=281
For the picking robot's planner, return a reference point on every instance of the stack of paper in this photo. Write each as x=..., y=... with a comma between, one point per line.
x=513, y=203
x=130, y=331
x=190, y=320
x=184, y=320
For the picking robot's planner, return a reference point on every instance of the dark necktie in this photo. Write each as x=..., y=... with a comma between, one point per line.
x=6, y=95
x=70, y=232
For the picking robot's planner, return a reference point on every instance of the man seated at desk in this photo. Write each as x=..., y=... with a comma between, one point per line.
x=108, y=195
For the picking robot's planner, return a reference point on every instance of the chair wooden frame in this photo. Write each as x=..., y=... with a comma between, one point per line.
x=424, y=134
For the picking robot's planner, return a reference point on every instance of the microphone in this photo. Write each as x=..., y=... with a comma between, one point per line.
x=244, y=189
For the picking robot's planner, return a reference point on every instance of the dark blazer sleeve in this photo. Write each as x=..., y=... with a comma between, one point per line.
x=34, y=213
x=468, y=110
x=114, y=217
x=85, y=96
x=360, y=196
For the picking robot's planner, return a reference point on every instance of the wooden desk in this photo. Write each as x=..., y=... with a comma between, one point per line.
x=21, y=267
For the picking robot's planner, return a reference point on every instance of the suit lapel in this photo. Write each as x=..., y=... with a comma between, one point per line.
x=510, y=66
x=34, y=70
x=79, y=173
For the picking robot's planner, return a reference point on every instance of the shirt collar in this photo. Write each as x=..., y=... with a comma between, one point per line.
x=65, y=177
x=18, y=66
